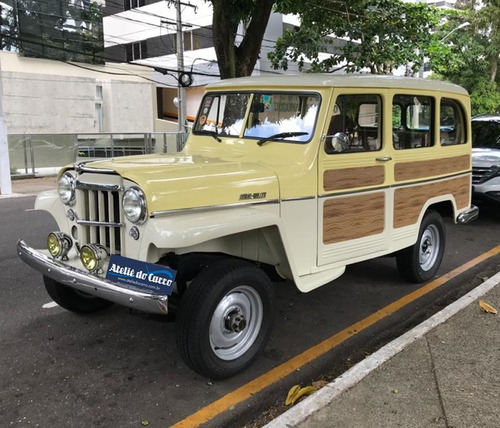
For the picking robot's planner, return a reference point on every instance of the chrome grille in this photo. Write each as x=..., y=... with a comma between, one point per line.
x=100, y=215
x=483, y=174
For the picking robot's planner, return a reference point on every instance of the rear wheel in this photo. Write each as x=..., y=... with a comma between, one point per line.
x=420, y=262
x=74, y=300
x=225, y=318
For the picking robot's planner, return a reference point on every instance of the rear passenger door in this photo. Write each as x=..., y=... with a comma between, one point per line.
x=354, y=176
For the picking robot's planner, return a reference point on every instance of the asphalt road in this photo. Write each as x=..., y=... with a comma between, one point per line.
x=121, y=369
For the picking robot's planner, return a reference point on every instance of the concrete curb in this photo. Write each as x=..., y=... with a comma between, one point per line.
x=355, y=374
x=16, y=195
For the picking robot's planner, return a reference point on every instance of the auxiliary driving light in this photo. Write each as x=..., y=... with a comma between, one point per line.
x=59, y=244
x=93, y=256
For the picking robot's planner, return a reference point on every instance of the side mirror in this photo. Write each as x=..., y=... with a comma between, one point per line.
x=340, y=142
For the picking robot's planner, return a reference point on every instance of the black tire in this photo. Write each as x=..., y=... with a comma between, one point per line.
x=74, y=300
x=421, y=261
x=225, y=318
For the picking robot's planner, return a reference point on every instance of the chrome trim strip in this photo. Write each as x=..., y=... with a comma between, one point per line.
x=91, y=284
x=211, y=207
x=354, y=192
x=300, y=198
x=80, y=167
x=94, y=186
x=99, y=223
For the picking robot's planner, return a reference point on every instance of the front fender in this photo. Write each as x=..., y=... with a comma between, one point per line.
x=190, y=228
x=49, y=201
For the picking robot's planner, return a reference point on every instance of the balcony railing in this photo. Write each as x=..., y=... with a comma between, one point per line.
x=43, y=154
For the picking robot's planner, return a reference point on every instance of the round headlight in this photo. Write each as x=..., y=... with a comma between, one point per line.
x=66, y=189
x=134, y=205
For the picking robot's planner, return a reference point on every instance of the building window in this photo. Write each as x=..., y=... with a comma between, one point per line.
x=137, y=51
x=133, y=4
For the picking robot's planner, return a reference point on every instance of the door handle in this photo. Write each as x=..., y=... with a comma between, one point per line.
x=384, y=159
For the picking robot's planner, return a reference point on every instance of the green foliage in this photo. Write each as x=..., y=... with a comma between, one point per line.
x=469, y=56
x=381, y=35
x=485, y=97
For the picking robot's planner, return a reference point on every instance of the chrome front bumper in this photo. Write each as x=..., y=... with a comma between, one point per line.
x=467, y=216
x=84, y=281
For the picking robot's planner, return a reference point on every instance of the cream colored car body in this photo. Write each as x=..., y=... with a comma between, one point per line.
x=293, y=206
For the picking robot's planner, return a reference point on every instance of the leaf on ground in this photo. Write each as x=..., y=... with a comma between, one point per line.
x=487, y=308
x=319, y=384
x=297, y=392
x=291, y=394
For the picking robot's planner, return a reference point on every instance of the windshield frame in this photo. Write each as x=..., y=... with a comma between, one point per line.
x=257, y=93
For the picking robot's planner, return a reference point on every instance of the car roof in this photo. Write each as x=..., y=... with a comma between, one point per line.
x=310, y=80
x=487, y=118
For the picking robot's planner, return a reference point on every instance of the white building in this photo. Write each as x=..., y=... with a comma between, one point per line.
x=52, y=97
x=144, y=32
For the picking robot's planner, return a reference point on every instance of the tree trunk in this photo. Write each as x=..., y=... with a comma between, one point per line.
x=238, y=61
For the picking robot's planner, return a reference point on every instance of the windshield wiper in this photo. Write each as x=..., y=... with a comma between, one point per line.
x=212, y=134
x=281, y=135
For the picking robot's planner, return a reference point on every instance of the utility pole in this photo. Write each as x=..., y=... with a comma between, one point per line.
x=5, y=181
x=181, y=91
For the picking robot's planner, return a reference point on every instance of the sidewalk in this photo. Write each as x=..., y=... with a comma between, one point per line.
x=443, y=373
x=31, y=186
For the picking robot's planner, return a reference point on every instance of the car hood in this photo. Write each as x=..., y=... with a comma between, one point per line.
x=485, y=157
x=173, y=182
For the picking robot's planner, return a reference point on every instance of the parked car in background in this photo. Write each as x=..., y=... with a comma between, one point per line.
x=486, y=157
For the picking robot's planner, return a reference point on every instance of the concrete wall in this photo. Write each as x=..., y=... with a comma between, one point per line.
x=42, y=96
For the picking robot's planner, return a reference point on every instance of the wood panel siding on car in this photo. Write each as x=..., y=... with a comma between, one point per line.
x=350, y=178
x=409, y=201
x=352, y=217
x=416, y=170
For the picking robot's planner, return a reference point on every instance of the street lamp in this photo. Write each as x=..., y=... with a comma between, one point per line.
x=458, y=27
x=462, y=25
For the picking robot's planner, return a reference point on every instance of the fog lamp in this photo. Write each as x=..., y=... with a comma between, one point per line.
x=59, y=244
x=93, y=256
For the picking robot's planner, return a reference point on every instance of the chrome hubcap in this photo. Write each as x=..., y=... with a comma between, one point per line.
x=236, y=323
x=429, y=247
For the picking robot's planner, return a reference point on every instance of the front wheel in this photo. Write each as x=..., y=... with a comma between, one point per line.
x=74, y=300
x=225, y=318
x=420, y=262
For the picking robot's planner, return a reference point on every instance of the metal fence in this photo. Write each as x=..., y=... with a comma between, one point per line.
x=38, y=154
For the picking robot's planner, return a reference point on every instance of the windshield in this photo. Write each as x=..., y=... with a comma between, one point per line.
x=222, y=114
x=273, y=116
x=486, y=134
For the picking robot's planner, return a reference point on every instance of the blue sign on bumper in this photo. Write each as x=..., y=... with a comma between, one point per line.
x=149, y=276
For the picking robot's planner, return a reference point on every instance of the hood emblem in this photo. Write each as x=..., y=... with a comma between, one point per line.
x=252, y=196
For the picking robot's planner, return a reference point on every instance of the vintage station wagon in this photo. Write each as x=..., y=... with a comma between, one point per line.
x=290, y=176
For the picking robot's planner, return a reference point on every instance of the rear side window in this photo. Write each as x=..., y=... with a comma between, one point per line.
x=355, y=125
x=412, y=121
x=451, y=123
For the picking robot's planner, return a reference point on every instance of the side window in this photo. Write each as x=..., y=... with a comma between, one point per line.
x=355, y=125
x=412, y=121
x=451, y=123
